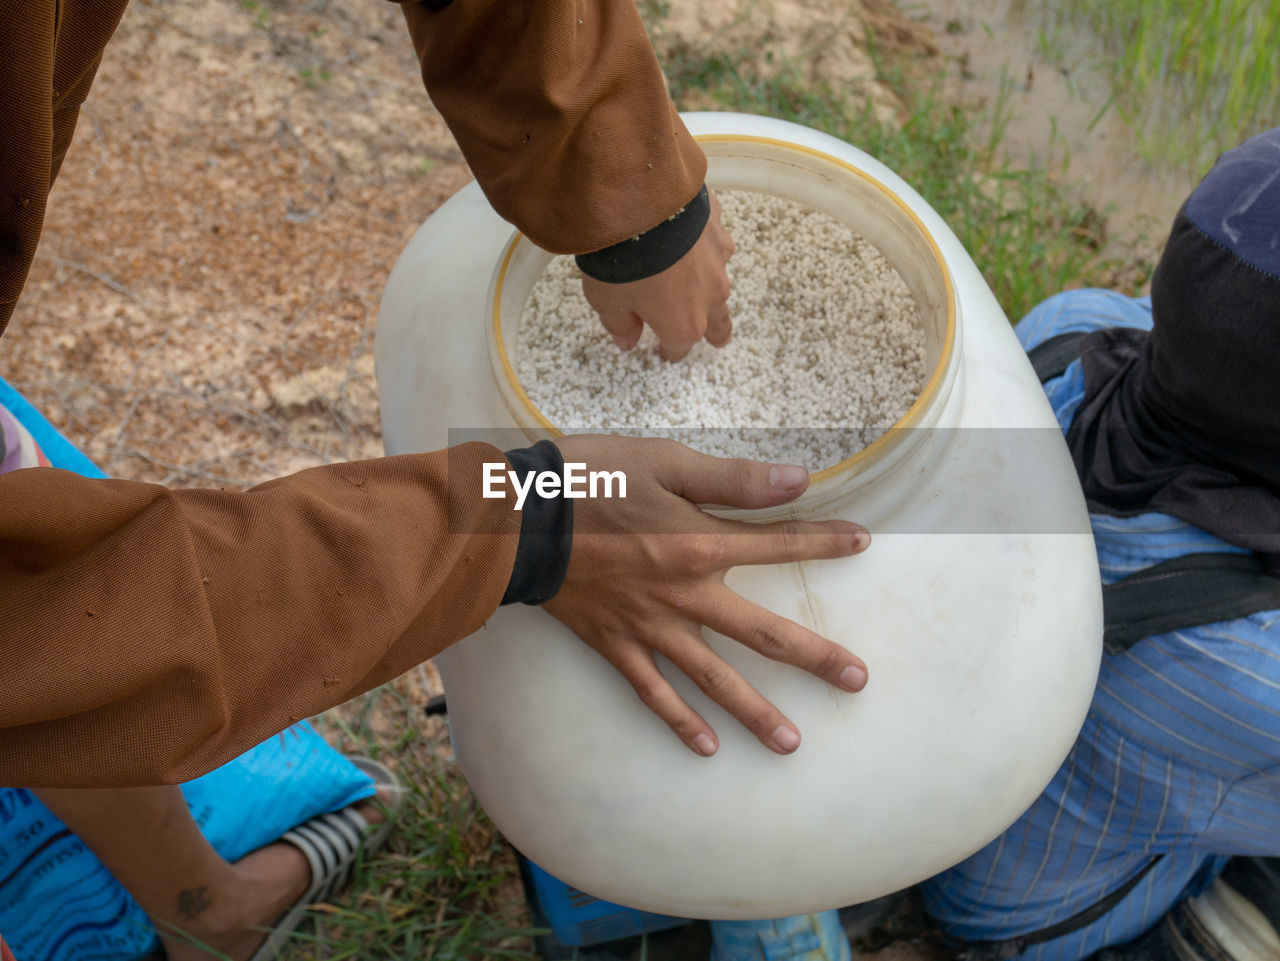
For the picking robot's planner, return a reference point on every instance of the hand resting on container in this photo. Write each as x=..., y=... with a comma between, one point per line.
x=684, y=303
x=646, y=573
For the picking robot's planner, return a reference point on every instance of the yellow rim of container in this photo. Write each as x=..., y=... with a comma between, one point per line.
x=914, y=413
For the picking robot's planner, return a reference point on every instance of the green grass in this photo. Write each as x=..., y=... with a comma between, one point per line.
x=445, y=888
x=261, y=18
x=1193, y=77
x=312, y=78
x=1030, y=235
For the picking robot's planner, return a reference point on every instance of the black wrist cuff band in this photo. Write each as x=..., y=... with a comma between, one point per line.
x=546, y=531
x=654, y=250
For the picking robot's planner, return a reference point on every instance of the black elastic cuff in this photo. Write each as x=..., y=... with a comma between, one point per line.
x=654, y=250
x=546, y=531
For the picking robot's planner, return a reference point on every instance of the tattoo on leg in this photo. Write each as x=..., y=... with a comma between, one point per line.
x=191, y=903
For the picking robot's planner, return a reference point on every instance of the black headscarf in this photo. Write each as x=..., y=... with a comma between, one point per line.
x=1186, y=419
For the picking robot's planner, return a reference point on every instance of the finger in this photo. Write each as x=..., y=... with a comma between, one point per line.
x=678, y=331
x=730, y=690
x=728, y=246
x=782, y=640
x=719, y=326
x=619, y=319
x=674, y=350
x=716, y=225
x=657, y=694
x=625, y=326
x=786, y=542
x=731, y=482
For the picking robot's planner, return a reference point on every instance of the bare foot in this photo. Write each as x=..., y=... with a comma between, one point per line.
x=258, y=890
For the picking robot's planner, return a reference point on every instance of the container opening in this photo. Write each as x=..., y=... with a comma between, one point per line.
x=794, y=174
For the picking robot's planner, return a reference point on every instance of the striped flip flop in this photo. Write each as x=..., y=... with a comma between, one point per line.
x=332, y=843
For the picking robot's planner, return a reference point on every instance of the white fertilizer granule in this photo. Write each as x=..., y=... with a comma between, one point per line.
x=827, y=349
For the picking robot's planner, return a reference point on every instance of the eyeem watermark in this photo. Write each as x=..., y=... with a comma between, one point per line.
x=575, y=482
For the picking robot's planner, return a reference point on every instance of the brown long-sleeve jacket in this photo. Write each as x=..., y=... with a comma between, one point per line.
x=148, y=635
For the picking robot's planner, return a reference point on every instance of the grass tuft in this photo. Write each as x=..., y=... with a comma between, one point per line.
x=445, y=888
x=1193, y=77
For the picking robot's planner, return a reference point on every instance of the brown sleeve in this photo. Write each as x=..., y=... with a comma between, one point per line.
x=49, y=54
x=148, y=635
x=561, y=112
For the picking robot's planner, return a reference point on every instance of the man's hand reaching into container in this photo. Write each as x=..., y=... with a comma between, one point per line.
x=646, y=574
x=683, y=304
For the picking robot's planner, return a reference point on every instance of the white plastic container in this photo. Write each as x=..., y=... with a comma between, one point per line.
x=977, y=607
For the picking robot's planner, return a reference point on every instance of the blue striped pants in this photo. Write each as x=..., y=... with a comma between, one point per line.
x=1179, y=755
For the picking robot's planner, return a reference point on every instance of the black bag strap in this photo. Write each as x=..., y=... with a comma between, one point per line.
x=1051, y=357
x=1183, y=592
x=1012, y=947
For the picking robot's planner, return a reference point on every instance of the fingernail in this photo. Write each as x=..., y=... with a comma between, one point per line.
x=786, y=738
x=621, y=342
x=704, y=745
x=787, y=477
x=853, y=678
x=861, y=540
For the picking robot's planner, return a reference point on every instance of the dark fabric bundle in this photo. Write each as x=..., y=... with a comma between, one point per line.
x=1186, y=420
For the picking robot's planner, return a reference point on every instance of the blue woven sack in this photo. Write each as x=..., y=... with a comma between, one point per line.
x=57, y=901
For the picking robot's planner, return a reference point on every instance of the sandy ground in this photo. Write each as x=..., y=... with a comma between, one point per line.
x=202, y=308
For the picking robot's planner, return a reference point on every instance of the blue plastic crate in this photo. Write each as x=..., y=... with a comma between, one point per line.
x=577, y=919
